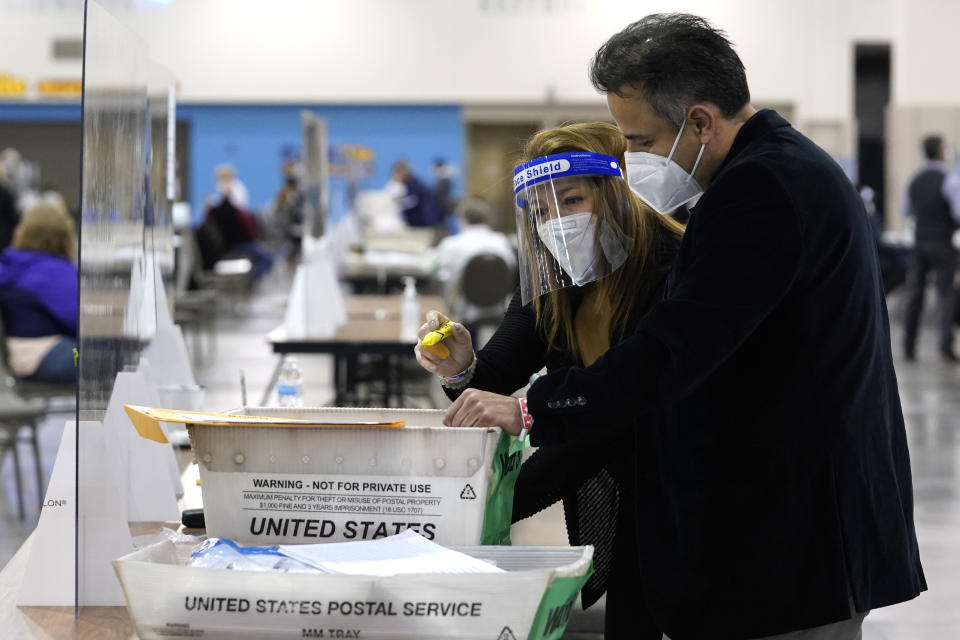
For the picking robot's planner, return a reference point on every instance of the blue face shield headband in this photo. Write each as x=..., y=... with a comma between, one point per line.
x=562, y=165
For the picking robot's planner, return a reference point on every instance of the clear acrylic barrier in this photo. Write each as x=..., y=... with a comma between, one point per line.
x=161, y=188
x=126, y=263
x=112, y=206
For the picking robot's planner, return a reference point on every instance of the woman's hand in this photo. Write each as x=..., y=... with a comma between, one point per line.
x=475, y=408
x=459, y=344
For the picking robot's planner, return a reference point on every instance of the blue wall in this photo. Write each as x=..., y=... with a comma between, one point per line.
x=39, y=112
x=254, y=138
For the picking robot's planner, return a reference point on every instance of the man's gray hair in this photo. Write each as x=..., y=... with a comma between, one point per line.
x=675, y=60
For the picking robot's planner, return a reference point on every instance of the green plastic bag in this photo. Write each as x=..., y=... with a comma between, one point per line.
x=553, y=614
x=499, y=510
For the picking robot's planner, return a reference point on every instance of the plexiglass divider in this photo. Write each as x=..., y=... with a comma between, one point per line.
x=113, y=200
x=126, y=264
x=158, y=222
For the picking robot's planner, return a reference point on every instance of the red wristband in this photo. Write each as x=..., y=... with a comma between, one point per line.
x=525, y=415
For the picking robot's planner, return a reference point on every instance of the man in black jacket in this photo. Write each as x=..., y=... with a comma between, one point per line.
x=933, y=199
x=773, y=487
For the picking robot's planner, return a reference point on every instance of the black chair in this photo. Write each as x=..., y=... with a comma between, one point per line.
x=15, y=414
x=195, y=309
x=229, y=276
x=486, y=280
x=484, y=288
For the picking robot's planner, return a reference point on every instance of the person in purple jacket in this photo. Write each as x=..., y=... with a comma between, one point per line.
x=38, y=295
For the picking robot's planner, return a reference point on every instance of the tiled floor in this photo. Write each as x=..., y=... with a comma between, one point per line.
x=930, y=393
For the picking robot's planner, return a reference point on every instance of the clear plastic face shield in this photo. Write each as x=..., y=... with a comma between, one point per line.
x=575, y=224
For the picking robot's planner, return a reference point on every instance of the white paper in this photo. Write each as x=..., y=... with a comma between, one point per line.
x=407, y=552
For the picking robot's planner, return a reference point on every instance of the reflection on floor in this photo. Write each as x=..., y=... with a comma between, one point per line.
x=930, y=391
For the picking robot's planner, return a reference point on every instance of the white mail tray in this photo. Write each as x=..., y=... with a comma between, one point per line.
x=270, y=485
x=532, y=599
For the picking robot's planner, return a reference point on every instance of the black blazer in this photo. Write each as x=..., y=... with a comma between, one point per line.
x=591, y=479
x=773, y=476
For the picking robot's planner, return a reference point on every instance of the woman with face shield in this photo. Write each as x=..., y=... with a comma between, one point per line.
x=593, y=258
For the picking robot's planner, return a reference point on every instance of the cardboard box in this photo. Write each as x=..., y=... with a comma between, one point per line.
x=532, y=599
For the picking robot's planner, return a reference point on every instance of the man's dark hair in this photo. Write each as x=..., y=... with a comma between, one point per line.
x=675, y=60
x=932, y=147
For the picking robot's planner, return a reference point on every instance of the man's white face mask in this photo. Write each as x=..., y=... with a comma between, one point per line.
x=661, y=182
x=571, y=241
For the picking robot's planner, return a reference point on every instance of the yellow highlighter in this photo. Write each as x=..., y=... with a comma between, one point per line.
x=433, y=341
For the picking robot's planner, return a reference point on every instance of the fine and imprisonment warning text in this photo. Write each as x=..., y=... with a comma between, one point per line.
x=287, y=507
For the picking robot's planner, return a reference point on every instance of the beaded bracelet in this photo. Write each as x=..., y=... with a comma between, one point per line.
x=462, y=379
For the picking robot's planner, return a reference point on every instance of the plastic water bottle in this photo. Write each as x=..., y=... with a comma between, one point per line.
x=409, y=311
x=290, y=384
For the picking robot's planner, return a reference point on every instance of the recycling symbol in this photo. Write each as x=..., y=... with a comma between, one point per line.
x=506, y=634
x=469, y=494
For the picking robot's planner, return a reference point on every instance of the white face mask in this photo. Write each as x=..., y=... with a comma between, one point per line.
x=570, y=239
x=661, y=182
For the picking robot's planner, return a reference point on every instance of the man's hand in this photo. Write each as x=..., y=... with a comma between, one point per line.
x=476, y=408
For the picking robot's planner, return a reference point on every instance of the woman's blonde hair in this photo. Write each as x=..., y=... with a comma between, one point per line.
x=48, y=228
x=642, y=232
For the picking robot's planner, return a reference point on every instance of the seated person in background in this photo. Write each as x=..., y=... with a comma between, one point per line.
x=452, y=255
x=229, y=187
x=289, y=211
x=38, y=295
x=236, y=231
x=593, y=259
